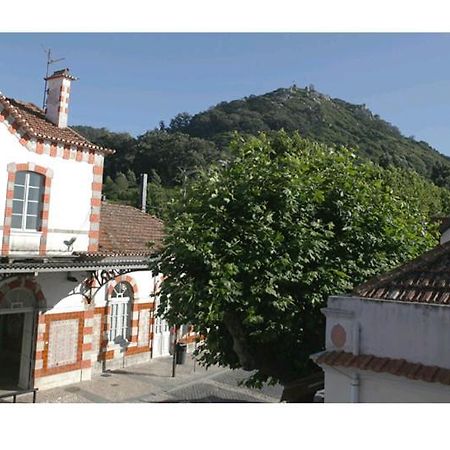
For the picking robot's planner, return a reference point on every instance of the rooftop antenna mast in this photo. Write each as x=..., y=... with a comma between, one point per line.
x=50, y=61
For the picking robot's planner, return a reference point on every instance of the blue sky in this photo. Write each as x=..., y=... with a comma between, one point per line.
x=129, y=82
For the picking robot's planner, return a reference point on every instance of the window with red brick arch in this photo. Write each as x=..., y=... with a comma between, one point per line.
x=27, y=201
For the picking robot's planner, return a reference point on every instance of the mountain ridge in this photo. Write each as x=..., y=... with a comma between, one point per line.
x=203, y=137
x=319, y=117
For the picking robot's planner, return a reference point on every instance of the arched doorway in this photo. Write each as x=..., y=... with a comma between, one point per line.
x=18, y=315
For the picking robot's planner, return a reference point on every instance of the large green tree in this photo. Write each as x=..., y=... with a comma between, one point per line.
x=255, y=247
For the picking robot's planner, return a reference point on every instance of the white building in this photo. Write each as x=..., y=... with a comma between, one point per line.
x=76, y=295
x=390, y=340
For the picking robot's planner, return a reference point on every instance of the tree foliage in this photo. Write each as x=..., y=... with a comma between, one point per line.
x=122, y=143
x=255, y=247
x=172, y=154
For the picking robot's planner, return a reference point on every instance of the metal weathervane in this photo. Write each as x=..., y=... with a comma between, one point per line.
x=50, y=61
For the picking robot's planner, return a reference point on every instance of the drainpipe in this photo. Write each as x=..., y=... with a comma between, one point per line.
x=356, y=339
x=354, y=389
x=355, y=380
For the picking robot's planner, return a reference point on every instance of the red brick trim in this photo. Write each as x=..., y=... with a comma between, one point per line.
x=19, y=128
x=94, y=219
x=79, y=364
x=106, y=355
x=40, y=147
x=13, y=168
x=87, y=347
x=134, y=306
x=140, y=306
x=103, y=311
x=24, y=282
x=4, y=114
x=120, y=279
x=134, y=350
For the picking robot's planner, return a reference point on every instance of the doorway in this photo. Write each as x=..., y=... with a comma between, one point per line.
x=161, y=338
x=11, y=341
x=17, y=344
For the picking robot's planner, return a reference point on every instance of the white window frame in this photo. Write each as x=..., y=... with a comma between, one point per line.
x=24, y=214
x=120, y=315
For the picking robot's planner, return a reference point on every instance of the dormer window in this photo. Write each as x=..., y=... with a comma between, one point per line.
x=27, y=201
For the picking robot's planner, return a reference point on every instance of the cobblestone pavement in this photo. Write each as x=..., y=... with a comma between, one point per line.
x=152, y=382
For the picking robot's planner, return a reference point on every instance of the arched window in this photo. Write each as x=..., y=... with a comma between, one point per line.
x=18, y=298
x=120, y=317
x=27, y=201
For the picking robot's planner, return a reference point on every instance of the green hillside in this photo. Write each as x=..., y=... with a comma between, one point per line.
x=176, y=151
x=317, y=116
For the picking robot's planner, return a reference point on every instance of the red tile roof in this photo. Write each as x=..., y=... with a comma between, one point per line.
x=398, y=367
x=32, y=119
x=426, y=279
x=125, y=230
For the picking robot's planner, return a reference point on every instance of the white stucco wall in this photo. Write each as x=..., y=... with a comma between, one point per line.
x=145, y=282
x=337, y=386
x=414, y=332
x=60, y=293
x=381, y=388
x=418, y=333
x=61, y=296
x=70, y=198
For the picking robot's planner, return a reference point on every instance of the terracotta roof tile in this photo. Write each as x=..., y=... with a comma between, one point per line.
x=347, y=359
x=412, y=370
x=426, y=373
x=423, y=280
x=378, y=364
x=398, y=367
x=363, y=361
x=394, y=366
x=443, y=376
x=127, y=230
x=32, y=119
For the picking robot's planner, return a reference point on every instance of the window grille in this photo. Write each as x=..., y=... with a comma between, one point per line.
x=27, y=201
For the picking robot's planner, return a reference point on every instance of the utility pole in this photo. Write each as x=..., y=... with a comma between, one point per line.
x=174, y=360
x=143, y=192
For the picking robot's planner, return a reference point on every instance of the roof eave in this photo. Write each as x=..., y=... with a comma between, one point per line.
x=29, y=130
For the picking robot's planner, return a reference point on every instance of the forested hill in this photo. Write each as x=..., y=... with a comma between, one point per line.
x=176, y=150
x=321, y=118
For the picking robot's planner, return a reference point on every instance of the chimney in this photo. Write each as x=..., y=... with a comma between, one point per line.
x=58, y=92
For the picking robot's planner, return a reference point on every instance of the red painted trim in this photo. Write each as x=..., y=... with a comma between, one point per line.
x=13, y=168
x=49, y=318
x=94, y=231
x=25, y=283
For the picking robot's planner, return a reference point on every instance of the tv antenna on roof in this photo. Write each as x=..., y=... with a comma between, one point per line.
x=49, y=62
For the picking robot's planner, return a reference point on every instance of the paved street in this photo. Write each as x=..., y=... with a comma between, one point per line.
x=152, y=382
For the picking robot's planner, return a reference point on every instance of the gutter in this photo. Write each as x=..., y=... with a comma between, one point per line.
x=72, y=266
